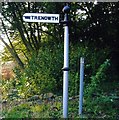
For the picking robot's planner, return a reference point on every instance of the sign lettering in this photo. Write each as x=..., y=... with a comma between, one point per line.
x=40, y=17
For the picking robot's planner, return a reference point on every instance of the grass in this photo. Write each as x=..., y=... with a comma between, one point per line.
x=104, y=105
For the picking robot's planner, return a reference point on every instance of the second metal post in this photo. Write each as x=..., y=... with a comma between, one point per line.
x=81, y=85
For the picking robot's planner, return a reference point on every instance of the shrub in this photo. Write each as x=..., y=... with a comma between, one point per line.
x=21, y=111
x=99, y=78
x=92, y=58
x=43, y=73
x=94, y=99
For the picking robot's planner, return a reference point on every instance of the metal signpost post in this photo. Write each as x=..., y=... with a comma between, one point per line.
x=66, y=10
x=81, y=85
x=54, y=18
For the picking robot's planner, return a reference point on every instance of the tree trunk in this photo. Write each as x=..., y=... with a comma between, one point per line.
x=14, y=54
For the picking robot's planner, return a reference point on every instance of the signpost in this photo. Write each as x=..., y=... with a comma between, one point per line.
x=54, y=18
x=66, y=10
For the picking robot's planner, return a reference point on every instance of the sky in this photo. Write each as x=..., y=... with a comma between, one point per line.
x=3, y=36
x=1, y=46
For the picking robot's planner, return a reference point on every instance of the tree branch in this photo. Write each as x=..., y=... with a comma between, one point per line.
x=14, y=54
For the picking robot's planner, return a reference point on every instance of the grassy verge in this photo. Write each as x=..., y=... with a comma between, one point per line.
x=100, y=105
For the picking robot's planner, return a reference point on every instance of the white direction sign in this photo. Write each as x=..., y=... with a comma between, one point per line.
x=41, y=17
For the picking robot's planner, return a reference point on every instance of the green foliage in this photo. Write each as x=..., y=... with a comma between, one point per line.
x=43, y=73
x=101, y=106
x=92, y=57
x=21, y=111
x=51, y=109
x=73, y=108
x=96, y=101
x=18, y=46
x=7, y=87
x=99, y=78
